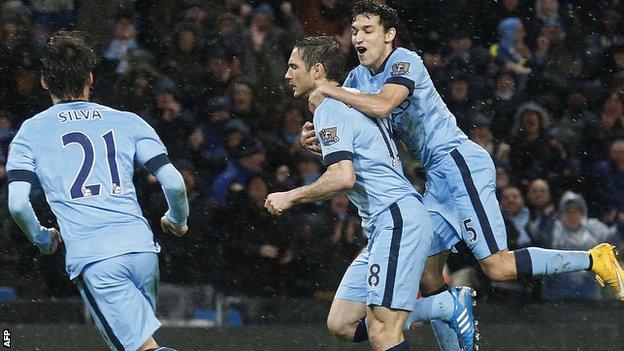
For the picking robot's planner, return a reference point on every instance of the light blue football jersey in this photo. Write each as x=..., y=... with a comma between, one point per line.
x=347, y=134
x=84, y=156
x=422, y=121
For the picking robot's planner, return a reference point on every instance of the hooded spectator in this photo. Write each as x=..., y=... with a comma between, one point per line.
x=531, y=155
x=574, y=231
x=511, y=49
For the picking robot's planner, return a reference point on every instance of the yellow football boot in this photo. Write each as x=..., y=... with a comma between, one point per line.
x=607, y=268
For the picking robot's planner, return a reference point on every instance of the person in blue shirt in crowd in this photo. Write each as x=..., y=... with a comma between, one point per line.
x=84, y=155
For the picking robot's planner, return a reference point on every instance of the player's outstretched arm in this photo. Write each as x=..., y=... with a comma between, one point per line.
x=46, y=239
x=378, y=105
x=174, y=221
x=338, y=177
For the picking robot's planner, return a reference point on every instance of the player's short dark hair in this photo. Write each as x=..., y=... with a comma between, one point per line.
x=324, y=50
x=66, y=64
x=388, y=16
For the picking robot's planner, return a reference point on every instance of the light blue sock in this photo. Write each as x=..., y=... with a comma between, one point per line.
x=533, y=261
x=447, y=339
x=438, y=306
x=435, y=308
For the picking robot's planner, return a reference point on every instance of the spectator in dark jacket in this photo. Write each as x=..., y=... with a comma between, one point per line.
x=607, y=194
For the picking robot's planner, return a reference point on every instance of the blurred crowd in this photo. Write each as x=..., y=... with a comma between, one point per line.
x=539, y=84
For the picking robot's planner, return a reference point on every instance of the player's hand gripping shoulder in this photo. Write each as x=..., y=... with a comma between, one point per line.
x=308, y=139
x=168, y=227
x=49, y=247
x=277, y=203
x=315, y=98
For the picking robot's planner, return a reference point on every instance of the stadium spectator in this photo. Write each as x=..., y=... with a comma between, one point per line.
x=123, y=42
x=594, y=144
x=503, y=104
x=325, y=245
x=497, y=11
x=270, y=43
x=135, y=89
x=607, y=195
x=514, y=210
x=283, y=145
x=259, y=255
x=324, y=17
x=172, y=121
x=459, y=101
x=574, y=231
x=246, y=161
x=542, y=211
x=481, y=134
x=247, y=108
x=532, y=155
x=511, y=48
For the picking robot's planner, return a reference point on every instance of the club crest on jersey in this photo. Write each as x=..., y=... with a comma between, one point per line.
x=329, y=136
x=400, y=68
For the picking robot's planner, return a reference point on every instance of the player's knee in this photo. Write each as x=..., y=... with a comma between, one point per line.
x=340, y=328
x=498, y=267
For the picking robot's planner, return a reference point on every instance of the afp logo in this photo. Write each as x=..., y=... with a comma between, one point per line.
x=6, y=339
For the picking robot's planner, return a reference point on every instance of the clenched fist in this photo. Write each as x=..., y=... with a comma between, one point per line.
x=277, y=203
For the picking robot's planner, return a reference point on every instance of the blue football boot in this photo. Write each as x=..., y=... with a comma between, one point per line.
x=463, y=321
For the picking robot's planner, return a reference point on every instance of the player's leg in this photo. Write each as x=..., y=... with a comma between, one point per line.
x=146, y=277
x=346, y=319
x=449, y=309
x=347, y=316
x=535, y=261
x=435, y=304
x=121, y=313
x=150, y=345
x=472, y=179
x=385, y=328
x=398, y=248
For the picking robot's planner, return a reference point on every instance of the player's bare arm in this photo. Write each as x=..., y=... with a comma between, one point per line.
x=339, y=177
x=378, y=105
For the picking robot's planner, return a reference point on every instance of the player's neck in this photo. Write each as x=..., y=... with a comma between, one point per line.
x=377, y=66
x=320, y=82
x=56, y=100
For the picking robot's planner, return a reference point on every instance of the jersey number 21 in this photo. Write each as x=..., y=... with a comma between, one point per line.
x=78, y=188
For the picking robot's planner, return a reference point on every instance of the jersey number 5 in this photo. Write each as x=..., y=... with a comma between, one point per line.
x=470, y=229
x=78, y=188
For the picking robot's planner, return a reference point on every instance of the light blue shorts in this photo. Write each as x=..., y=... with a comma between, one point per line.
x=120, y=293
x=387, y=272
x=461, y=199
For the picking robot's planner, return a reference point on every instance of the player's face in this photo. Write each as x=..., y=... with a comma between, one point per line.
x=298, y=76
x=370, y=40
